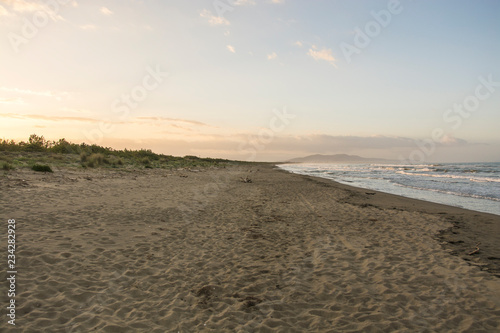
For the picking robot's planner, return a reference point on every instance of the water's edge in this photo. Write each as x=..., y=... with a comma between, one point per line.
x=477, y=190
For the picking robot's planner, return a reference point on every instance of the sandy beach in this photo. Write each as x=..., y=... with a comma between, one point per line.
x=202, y=251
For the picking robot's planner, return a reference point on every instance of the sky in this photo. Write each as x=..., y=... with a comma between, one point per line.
x=257, y=80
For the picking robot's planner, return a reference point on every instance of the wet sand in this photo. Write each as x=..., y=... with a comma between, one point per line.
x=202, y=251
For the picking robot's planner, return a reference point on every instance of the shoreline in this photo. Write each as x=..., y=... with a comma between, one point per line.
x=460, y=239
x=199, y=250
x=388, y=182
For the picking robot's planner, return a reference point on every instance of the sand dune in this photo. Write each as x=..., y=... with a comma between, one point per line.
x=162, y=251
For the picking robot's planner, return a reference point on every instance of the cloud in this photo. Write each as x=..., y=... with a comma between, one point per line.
x=331, y=143
x=212, y=19
x=48, y=118
x=174, y=122
x=228, y=146
x=449, y=140
x=231, y=48
x=272, y=56
x=58, y=95
x=106, y=11
x=189, y=137
x=282, y=147
x=6, y=100
x=72, y=110
x=298, y=43
x=278, y=1
x=23, y=6
x=186, y=125
x=190, y=122
x=244, y=3
x=289, y=146
x=323, y=54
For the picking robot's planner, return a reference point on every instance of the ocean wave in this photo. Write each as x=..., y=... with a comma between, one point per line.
x=451, y=176
x=461, y=194
x=457, y=168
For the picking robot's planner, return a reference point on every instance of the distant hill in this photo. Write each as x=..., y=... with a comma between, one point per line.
x=338, y=158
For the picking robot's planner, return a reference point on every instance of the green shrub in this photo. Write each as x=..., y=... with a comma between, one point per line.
x=62, y=147
x=83, y=157
x=97, y=159
x=36, y=143
x=115, y=161
x=6, y=166
x=41, y=168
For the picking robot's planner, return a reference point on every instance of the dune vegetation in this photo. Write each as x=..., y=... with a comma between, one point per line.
x=40, y=154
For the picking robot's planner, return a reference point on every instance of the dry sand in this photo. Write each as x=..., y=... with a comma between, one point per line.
x=183, y=251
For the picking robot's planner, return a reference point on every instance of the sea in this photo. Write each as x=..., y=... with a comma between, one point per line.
x=474, y=186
